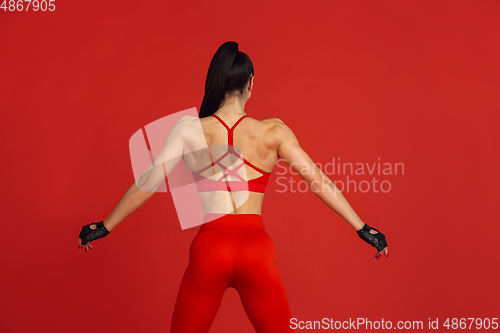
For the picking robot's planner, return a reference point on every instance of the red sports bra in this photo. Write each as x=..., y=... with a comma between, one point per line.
x=222, y=184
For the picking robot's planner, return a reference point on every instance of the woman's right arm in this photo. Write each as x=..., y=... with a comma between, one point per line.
x=292, y=154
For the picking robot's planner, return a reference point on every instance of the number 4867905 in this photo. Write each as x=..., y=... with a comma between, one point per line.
x=25, y=5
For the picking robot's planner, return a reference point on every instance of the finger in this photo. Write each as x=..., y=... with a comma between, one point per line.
x=386, y=252
x=90, y=245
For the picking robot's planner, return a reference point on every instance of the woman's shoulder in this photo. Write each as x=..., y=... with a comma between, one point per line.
x=274, y=130
x=186, y=123
x=276, y=125
x=271, y=122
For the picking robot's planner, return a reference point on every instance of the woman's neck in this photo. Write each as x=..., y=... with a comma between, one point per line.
x=232, y=107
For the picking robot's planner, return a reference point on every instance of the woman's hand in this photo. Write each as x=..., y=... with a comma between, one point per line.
x=91, y=232
x=375, y=238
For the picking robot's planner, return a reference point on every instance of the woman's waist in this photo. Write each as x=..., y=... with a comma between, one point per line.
x=232, y=221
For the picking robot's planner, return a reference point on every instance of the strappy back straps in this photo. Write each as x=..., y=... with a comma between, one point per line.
x=229, y=129
x=206, y=184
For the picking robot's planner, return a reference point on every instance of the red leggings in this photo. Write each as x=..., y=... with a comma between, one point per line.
x=232, y=251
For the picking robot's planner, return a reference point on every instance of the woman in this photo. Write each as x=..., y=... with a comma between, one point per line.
x=232, y=248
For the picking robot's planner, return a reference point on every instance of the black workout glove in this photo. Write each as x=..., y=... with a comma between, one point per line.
x=88, y=235
x=376, y=240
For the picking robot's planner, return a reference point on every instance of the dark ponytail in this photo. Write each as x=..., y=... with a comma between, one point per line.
x=229, y=70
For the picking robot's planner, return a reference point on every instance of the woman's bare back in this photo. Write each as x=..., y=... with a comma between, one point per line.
x=258, y=143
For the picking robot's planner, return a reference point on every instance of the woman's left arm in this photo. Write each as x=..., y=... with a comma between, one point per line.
x=132, y=199
x=146, y=185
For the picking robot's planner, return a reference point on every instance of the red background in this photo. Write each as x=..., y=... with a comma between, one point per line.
x=413, y=82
